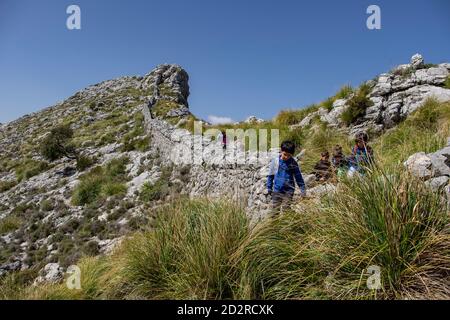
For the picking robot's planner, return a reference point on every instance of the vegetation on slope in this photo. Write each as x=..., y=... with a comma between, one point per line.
x=204, y=250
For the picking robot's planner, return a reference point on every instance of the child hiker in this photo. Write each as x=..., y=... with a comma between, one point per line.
x=280, y=180
x=362, y=154
x=322, y=169
x=339, y=161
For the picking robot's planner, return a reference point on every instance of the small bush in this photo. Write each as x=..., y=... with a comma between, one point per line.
x=100, y=182
x=57, y=143
x=10, y=223
x=427, y=115
x=47, y=205
x=141, y=145
x=290, y=117
x=114, y=188
x=91, y=248
x=116, y=168
x=357, y=105
x=344, y=92
x=157, y=191
x=187, y=256
x=88, y=190
x=447, y=83
x=328, y=104
x=7, y=185
x=84, y=162
x=30, y=168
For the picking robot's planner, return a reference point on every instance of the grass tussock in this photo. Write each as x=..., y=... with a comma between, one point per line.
x=100, y=182
x=357, y=105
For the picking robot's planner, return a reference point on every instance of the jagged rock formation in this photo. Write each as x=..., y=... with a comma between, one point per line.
x=400, y=92
x=170, y=92
x=394, y=96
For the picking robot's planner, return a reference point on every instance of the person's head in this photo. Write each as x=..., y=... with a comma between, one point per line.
x=361, y=139
x=325, y=155
x=337, y=151
x=287, y=149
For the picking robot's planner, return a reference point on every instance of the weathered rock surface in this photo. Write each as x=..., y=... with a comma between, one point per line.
x=51, y=273
x=394, y=95
x=434, y=168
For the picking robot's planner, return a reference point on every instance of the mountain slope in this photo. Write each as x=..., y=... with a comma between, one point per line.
x=52, y=212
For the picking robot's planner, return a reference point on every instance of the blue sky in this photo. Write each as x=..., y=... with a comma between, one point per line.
x=244, y=57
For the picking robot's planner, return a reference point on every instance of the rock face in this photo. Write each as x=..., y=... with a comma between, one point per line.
x=400, y=92
x=394, y=95
x=170, y=91
x=51, y=273
x=433, y=168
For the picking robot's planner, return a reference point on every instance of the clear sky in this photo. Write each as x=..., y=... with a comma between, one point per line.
x=244, y=57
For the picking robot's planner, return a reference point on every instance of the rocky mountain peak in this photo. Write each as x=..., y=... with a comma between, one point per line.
x=169, y=86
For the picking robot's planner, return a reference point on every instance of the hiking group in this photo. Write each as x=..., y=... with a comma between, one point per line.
x=284, y=171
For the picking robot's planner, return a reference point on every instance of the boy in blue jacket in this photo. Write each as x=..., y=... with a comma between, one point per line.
x=280, y=180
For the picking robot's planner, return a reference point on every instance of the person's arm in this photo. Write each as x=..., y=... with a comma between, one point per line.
x=271, y=176
x=299, y=178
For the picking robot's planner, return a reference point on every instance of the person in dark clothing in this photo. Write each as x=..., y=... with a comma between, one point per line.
x=284, y=171
x=322, y=169
x=339, y=161
x=224, y=139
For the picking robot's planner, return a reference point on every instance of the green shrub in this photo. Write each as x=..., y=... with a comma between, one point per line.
x=114, y=188
x=187, y=255
x=57, y=144
x=13, y=285
x=116, y=168
x=391, y=220
x=427, y=116
x=357, y=105
x=100, y=182
x=87, y=190
x=30, y=168
x=10, y=223
x=328, y=104
x=157, y=191
x=274, y=261
x=84, y=162
x=6, y=185
x=344, y=92
x=141, y=145
x=290, y=117
x=47, y=205
x=447, y=83
x=91, y=248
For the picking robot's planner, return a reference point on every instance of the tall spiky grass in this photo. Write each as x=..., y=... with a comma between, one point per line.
x=277, y=260
x=386, y=219
x=187, y=255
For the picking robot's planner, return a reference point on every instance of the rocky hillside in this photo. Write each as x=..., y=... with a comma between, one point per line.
x=54, y=212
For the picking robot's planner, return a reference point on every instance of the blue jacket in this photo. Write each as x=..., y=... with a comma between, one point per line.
x=281, y=176
x=361, y=157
